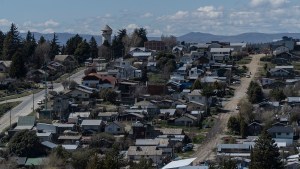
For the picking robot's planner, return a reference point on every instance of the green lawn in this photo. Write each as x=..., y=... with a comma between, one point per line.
x=15, y=96
x=156, y=78
x=7, y=106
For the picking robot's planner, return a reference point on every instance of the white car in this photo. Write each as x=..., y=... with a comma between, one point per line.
x=247, y=76
x=40, y=102
x=237, y=108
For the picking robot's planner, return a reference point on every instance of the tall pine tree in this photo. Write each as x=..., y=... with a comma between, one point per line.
x=82, y=52
x=11, y=43
x=2, y=37
x=17, y=68
x=54, y=47
x=265, y=154
x=93, y=48
x=72, y=44
x=29, y=47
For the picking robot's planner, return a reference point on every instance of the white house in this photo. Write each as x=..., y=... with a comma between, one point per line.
x=194, y=73
x=282, y=134
x=115, y=128
x=99, y=81
x=220, y=54
x=196, y=96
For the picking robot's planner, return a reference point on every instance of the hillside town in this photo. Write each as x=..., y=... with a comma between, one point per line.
x=131, y=102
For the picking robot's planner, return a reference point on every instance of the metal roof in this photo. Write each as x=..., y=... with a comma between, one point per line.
x=91, y=122
x=179, y=163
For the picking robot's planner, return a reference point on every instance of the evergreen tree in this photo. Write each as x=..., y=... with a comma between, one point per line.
x=17, y=68
x=255, y=94
x=196, y=85
x=72, y=44
x=82, y=52
x=41, y=40
x=118, y=44
x=142, y=34
x=54, y=47
x=93, y=48
x=2, y=37
x=29, y=47
x=277, y=94
x=265, y=153
x=94, y=162
x=11, y=43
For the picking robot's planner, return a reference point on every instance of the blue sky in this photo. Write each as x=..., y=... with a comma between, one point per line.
x=168, y=17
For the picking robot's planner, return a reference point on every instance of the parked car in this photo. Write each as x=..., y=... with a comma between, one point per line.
x=40, y=102
x=237, y=108
x=188, y=147
x=247, y=76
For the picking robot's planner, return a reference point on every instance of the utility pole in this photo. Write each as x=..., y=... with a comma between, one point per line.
x=33, y=100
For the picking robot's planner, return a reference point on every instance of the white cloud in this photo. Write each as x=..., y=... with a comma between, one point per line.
x=208, y=12
x=4, y=22
x=132, y=26
x=273, y=3
x=177, y=16
x=147, y=15
x=50, y=23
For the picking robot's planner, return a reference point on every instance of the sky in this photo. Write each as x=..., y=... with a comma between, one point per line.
x=167, y=17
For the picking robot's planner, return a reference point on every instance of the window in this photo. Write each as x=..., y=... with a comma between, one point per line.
x=279, y=134
x=118, y=129
x=287, y=133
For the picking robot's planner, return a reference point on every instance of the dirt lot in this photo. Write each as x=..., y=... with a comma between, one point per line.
x=206, y=150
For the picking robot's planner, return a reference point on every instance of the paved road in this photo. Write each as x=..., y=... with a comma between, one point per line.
x=206, y=150
x=25, y=107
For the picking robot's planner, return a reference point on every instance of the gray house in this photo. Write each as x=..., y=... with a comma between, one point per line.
x=95, y=125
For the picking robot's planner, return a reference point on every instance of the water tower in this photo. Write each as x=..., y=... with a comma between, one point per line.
x=106, y=34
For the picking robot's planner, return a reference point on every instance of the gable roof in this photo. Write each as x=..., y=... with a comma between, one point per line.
x=26, y=121
x=91, y=122
x=106, y=28
x=281, y=129
x=62, y=58
x=6, y=63
x=179, y=163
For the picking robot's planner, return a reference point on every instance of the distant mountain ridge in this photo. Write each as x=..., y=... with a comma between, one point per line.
x=251, y=37
x=197, y=37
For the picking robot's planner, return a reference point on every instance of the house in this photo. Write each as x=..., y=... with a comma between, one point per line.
x=127, y=89
x=77, y=117
x=280, y=49
x=196, y=96
x=265, y=82
x=99, y=81
x=178, y=164
x=178, y=49
x=220, y=54
x=151, y=108
x=155, y=45
x=131, y=116
x=141, y=130
x=68, y=61
x=25, y=122
x=186, y=120
x=234, y=150
x=135, y=153
x=45, y=128
x=141, y=55
x=80, y=93
x=115, y=127
x=5, y=66
x=276, y=72
x=37, y=75
x=238, y=47
x=293, y=101
x=282, y=134
x=195, y=73
x=44, y=136
x=254, y=129
x=108, y=116
x=136, y=49
x=167, y=112
x=160, y=143
x=61, y=104
x=95, y=125
x=36, y=162
x=61, y=127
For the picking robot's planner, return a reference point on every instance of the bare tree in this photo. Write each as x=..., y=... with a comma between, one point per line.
x=170, y=41
x=246, y=110
x=131, y=40
x=41, y=54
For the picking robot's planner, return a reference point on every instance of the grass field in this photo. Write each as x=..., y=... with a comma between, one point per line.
x=244, y=61
x=5, y=107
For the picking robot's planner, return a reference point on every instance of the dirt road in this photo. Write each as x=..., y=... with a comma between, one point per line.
x=206, y=150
